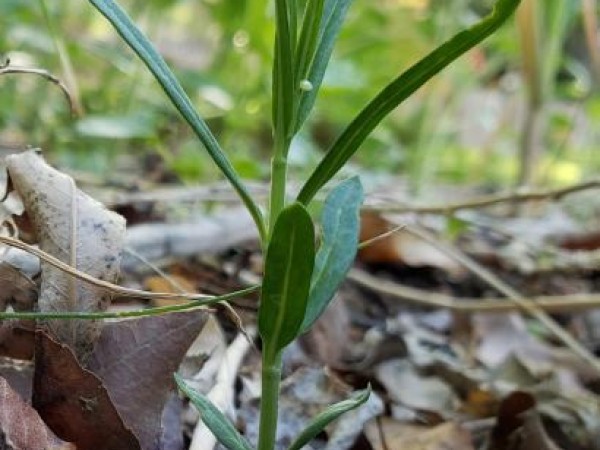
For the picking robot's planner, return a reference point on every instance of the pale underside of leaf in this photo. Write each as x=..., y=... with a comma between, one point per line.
x=341, y=226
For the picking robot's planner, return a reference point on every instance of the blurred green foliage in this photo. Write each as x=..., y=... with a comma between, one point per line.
x=462, y=127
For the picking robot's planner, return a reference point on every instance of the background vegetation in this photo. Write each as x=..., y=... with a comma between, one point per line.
x=469, y=125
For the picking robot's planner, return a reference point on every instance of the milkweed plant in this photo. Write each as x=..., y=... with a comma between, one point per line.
x=300, y=277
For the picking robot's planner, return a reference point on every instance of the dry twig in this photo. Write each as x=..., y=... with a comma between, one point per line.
x=7, y=69
x=428, y=299
x=511, y=197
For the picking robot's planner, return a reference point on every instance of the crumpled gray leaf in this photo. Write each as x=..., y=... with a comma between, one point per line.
x=79, y=231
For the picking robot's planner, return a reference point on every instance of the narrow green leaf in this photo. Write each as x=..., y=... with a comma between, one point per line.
x=333, y=15
x=307, y=43
x=284, y=86
x=288, y=269
x=341, y=227
x=214, y=419
x=398, y=91
x=326, y=417
x=156, y=64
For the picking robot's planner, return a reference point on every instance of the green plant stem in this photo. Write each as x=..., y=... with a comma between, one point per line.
x=127, y=314
x=269, y=404
x=278, y=187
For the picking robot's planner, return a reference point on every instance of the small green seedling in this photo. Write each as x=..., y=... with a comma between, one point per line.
x=300, y=279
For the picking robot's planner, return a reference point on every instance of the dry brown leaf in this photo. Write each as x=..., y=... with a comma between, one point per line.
x=17, y=339
x=73, y=401
x=136, y=360
x=519, y=426
x=16, y=289
x=391, y=434
x=480, y=403
x=383, y=250
x=401, y=247
x=175, y=284
x=79, y=231
x=21, y=428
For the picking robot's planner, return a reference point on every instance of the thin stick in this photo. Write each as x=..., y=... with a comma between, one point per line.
x=381, y=236
x=525, y=304
x=110, y=287
x=520, y=196
x=7, y=69
x=428, y=299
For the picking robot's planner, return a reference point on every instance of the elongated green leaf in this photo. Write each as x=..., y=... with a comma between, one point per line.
x=326, y=417
x=333, y=15
x=307, y=43
x=288, y=269
x=284, y=85
x=398, y=91
x=216, y=422
x=341, y=227
x=156, y=64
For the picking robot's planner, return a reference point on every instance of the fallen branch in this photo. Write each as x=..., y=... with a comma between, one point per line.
x=428, y=299
x=514, y=197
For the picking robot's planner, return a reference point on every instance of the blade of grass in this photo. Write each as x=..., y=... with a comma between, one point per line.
x=398, y=91
x=333, y=15
x=159, y=68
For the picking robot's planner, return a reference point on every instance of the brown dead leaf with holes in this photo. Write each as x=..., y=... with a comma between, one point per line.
x=79, y=231
x=21, y=427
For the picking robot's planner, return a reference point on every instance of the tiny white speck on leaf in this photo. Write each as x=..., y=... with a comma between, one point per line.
x=306, y=86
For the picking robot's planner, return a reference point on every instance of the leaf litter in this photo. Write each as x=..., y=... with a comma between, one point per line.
x=442, y=380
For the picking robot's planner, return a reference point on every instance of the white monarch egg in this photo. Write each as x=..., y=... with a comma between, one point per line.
x=306, y=86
